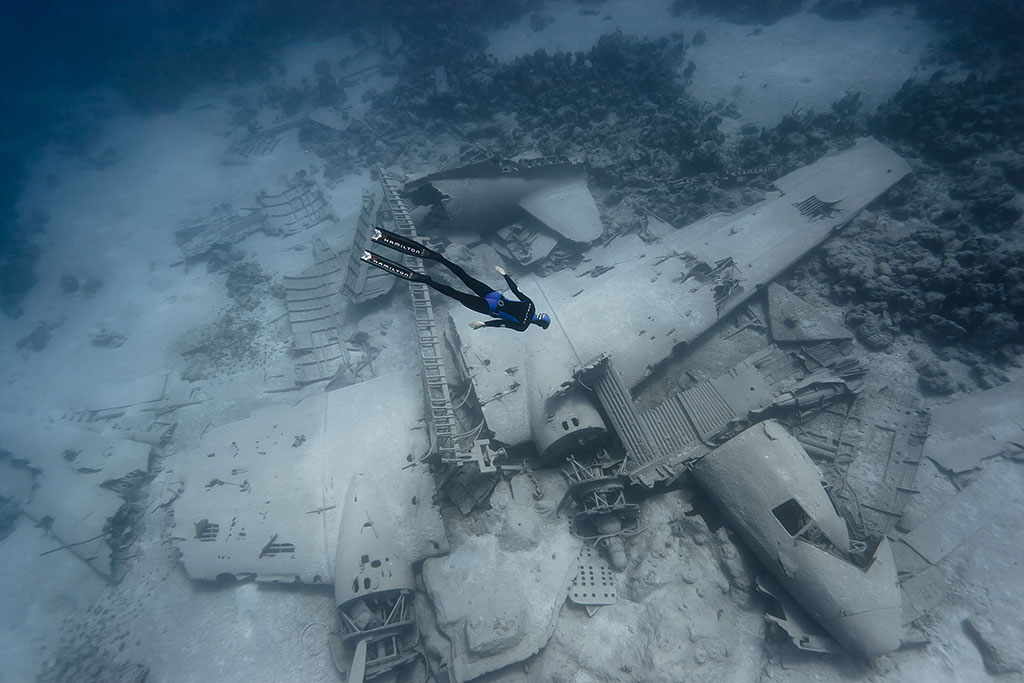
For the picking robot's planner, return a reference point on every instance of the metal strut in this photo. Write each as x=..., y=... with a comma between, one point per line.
x=443, y=423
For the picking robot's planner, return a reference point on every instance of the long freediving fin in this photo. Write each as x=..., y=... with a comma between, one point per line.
x=395, y=269
x=402, y=243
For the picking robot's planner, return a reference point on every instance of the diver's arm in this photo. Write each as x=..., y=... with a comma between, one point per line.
x=515, y=290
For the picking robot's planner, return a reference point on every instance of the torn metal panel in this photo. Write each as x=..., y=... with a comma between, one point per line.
x=770, y=490
x=312, y=298
x=875, y=445
x=594, y=583
x=360, y=281
x=263, y=496
x=75, y=485
x=246, y=149
x=315, y=305
x=791, y=618
x=300, y=207
x=222, y=227
x=469, y=487
x=490, y=194
x=528, y=241
x=946, y=529
x=884, y=437
x=794, y=320
x=970, y=430
x=923, y=592
x=143, y=410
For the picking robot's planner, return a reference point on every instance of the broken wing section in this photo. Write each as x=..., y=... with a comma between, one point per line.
x=263, y=496
x=642, y=301
x=75, y=484
x=771, y=491
x=569, y=210
x=487, y=195
x=256, y=502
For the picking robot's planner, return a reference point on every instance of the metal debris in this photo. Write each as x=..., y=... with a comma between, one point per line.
x=360, y=282
x=300, y=207
x=791, y=618
x=661, y=441
x=794, y=320
x=315, y=306
x=220, y=228
x=876, y=446
x=603, y=517
x=594, y=583
x=943, y=531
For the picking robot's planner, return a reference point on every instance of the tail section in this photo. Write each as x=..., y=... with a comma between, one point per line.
x=403, y=244
x=396, y=269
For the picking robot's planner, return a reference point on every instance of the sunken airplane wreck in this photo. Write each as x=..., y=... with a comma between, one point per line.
x=259, y=502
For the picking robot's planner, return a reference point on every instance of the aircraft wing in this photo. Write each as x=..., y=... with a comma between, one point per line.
x=638, y=302
x=569, y=210
x=263, y=497
x=66, y=479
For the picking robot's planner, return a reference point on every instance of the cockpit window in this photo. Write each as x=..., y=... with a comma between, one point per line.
x=792, y=516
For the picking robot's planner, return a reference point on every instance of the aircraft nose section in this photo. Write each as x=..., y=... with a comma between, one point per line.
x=871, y=633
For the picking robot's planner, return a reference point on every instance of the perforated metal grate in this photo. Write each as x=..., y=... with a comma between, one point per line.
x=594, y=584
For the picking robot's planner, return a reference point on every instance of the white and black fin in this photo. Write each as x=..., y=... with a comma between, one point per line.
x=402, y=243
x=396, y=269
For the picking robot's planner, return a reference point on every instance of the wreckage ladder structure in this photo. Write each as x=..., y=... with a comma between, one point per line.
x=659, y=442
x=443, y=422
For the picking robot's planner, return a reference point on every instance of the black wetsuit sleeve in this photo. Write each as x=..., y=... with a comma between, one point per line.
x=515, y=290
x=518, y=327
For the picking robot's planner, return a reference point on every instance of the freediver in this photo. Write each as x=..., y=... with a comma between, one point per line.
x=515, y=315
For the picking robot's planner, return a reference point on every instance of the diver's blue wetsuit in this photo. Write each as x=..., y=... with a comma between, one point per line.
x=515, y=315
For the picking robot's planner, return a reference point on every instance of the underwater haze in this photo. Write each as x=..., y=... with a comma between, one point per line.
x=213, y=406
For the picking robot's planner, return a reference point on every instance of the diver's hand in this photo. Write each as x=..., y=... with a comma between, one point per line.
x=476, y=324
x=501, y=271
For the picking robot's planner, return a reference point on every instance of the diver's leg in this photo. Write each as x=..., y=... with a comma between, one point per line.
x=478, y=287
x=470, y=301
